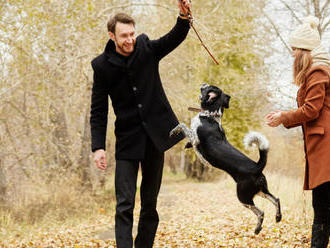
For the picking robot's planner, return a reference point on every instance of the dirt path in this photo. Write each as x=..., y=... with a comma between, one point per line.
x=202, y=215
x=209, y=215
x=191, y=215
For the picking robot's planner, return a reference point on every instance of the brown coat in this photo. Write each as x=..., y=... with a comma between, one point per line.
x=313, y=113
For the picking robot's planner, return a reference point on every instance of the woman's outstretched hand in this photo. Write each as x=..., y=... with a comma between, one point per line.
x=273, y=119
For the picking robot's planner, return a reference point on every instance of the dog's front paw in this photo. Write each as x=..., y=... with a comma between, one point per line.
x=172, y=133
x=175, y=131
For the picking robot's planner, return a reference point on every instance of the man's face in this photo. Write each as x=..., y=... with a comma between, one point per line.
x=124, y=38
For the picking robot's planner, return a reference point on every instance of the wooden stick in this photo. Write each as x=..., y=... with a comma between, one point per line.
x=190, y=17
x=194, y=109
x=200, y=39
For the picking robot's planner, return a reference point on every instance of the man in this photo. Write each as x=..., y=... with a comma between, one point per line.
x=127, y=71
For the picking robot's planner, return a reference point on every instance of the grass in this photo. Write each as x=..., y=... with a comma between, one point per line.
x=51, y=206
x=60, y=203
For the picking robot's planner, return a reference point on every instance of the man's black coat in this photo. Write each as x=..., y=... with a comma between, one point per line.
x=138, y=98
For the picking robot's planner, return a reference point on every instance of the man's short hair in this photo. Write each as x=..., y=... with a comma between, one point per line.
x=120, y=17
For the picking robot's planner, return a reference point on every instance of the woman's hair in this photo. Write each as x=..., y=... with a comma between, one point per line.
x=302, y=63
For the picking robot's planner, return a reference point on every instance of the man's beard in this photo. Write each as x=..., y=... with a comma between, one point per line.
x=124, y=49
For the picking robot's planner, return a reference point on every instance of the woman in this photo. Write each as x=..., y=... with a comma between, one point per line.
x=312, y=75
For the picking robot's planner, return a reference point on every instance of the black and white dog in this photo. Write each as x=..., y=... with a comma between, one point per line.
x=208, y=139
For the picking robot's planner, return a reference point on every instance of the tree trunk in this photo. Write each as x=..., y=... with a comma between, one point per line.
x=196, y=169
x=60, y=137
x=84, y=160
x=3, y=184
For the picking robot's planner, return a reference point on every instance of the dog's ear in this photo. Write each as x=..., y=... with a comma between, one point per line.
x=226, y=99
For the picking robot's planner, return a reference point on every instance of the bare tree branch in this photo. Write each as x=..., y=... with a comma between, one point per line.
x=325, y=26
x=12, y=43
x=291, y=10
x=70, y=60
x=302, y=4
x=325, y=6
x=135, y=5
x=9, y=89
x=278, y=32
x=308, y=7
x=316, y=4
x=22, y=167
x=18, y=110
x=317, y=13
x=19, y=160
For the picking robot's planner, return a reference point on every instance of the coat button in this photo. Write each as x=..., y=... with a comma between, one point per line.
x=140, y=105
x=134, y=88
x=144, y=124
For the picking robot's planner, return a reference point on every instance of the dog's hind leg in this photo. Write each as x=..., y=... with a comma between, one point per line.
x=246, y=190
x=259, y=214
x=276, y=201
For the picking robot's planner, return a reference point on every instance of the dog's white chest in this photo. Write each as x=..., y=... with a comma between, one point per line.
x=195, y=123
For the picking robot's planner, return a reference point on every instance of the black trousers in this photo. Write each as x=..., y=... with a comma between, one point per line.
x=125, y=184
x=321, y=204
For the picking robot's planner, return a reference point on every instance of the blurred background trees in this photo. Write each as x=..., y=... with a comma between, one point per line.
x=46, y=78
x=280, y=18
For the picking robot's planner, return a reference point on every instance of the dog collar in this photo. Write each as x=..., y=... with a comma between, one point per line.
x=205, y=113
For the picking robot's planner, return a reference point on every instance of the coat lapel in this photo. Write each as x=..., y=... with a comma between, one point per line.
x=117, y=61
x=133, y=56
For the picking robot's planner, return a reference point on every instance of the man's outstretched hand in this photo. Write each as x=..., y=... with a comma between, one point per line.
x=184, y=6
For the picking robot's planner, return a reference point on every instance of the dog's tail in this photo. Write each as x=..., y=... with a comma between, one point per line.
x=255, y=138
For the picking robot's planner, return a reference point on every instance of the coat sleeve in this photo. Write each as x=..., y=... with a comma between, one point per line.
x=171, y=40
x=313, y=102
x=291, y=126
x=99, y=111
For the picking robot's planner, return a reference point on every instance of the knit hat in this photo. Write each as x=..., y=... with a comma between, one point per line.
x=306, y=36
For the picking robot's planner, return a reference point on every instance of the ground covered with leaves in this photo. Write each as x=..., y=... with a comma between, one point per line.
x=191, y=214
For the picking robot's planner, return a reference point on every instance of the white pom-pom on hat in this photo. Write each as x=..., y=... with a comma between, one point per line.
x=306, y=35
x=312, y=21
